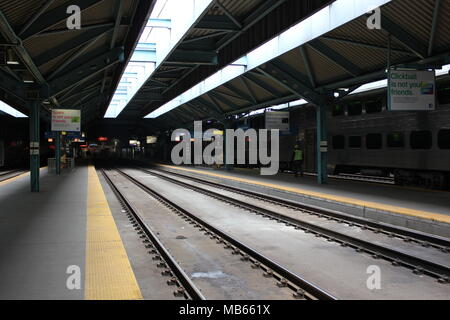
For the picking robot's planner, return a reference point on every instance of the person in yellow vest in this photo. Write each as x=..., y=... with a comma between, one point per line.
x=297, y=159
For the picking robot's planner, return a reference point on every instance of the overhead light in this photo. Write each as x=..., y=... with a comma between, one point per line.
x=11, y=58
x=27, y=78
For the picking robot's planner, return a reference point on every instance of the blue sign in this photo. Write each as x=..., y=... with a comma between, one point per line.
x=50, y=135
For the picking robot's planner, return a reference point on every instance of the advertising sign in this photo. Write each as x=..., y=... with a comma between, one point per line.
x=278, y=120
x=412, y=90
x=66, y=120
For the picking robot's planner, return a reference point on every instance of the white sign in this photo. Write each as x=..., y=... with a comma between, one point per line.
x=278, y=120
x=152, y=140
x=412, y=90
x=66, y=120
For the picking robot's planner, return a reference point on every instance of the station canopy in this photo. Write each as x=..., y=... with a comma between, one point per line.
x=46, y=56
x=328, y=54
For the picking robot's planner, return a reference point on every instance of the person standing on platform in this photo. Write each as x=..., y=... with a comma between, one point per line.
x=297, y=159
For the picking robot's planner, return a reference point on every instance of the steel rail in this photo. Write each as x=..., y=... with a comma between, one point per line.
x=379, y=227
x=272, y=268
x=419, y=265
x=190, y=290
x=15, y=173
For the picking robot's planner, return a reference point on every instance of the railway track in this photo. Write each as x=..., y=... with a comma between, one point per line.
x=363, y=178
x=185, y=287
x=358, y=178
x=408, y=235
x=11, y=174
x=418, y=264
x=301, y=288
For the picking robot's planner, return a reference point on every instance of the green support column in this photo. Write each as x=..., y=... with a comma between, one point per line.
x=58, y=153
x=34, y=145
x=227, y=125
x=322, y=145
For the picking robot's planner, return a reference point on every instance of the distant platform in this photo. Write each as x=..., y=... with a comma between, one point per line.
x=423, y=210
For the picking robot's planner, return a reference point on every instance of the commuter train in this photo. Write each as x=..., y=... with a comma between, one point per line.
x=16, y=154
x=13, y=155
x=366, y=138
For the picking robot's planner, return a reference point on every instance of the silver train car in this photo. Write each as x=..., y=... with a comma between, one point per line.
x=364, y=137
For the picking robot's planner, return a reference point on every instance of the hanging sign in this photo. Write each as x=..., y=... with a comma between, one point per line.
x=278, y=120
x=412, y=90
x=66, y=120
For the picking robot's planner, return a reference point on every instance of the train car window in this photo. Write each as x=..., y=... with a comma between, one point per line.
x=374, y=141
x=421, y=140
x=355, y=142
x=355, y=108
x=396, y=140
x=338, y=110
x=338, y=142
x=374, y=106
x=444, y=139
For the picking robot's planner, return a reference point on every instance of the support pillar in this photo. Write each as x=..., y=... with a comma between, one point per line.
x=58, y=153
x=34, y=145
x=226, y=125
x=322, y=145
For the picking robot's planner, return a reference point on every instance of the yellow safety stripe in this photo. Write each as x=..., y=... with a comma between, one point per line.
x=109, y=275
x=372, y=205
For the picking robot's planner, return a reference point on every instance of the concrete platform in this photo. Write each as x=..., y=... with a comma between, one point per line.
x=423, y=210
x=61, y=243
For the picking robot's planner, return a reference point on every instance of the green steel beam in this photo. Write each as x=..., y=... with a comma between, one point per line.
x=71, y=44
x=263, y=85
x=83, y=73
x=365, y=45
x=53, y=17
x=229, y=95
x=72, y=58
x=193, y=57
x=38, y=13
x=408, y=40
x=222, y=99
x=11, y=85
x=284, y=78
x=308, y=66
x=118, y=15
x=437, y=10
x=10, y=35
x=335, y=57
x=205, y=37
x=243, y=96
x=263, y=104
x=216, y=22
x=263, y=10
x=229, y=15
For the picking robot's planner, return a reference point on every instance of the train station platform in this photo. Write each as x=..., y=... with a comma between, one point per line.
x=62, y=243
x=423, y=210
